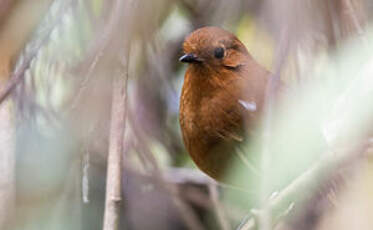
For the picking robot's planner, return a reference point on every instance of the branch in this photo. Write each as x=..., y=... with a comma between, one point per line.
x=114, y=168
x=309, y=181
x=118, y=118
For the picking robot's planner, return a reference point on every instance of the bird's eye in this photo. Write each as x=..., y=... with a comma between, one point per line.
x=219, y=52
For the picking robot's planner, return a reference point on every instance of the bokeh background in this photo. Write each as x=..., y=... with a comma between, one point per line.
x=59, y=61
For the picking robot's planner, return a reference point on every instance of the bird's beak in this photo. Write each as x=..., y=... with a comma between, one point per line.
x=190, y=58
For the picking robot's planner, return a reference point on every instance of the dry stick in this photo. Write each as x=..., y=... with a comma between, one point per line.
x=117, y=125
x=114, y=168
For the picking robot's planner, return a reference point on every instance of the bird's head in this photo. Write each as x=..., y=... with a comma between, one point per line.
x=214, y=48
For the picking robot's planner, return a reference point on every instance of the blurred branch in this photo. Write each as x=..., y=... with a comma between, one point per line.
x=303, y=187
x=5, y=8
x=97, y=51
x=17, y=76
x=273, y=89
x=351, y=17
x=15, y=79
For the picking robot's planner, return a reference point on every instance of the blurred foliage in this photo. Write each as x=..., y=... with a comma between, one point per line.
x=257, y=41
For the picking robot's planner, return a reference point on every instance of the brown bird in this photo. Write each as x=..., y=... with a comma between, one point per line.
x=221, y=100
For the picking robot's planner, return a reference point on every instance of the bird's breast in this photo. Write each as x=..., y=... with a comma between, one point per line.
x=210, y=124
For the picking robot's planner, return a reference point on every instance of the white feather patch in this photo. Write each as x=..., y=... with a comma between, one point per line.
x=250, y=106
